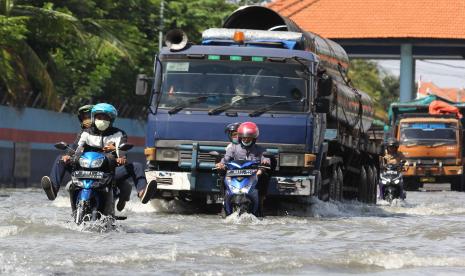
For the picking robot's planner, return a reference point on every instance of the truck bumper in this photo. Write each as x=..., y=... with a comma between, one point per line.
x=208, y=183
x=433, y=171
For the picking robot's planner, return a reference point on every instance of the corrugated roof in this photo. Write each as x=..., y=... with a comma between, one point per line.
x=345, y=19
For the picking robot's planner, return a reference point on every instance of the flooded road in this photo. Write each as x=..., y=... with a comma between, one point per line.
x=423, y=236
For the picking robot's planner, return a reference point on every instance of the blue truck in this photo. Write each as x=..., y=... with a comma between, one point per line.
x=259, y=67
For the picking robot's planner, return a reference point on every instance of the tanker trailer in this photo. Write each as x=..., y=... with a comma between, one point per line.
x=260, y=67
x=354, y=143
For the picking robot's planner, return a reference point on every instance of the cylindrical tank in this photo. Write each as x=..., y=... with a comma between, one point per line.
x=348, y=106
x=261, y=18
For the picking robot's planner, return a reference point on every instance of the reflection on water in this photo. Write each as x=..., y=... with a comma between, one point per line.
x=423, y=235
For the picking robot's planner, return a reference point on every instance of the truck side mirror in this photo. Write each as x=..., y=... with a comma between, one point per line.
x=325, y=85
x=322, y=105
x=141, y=84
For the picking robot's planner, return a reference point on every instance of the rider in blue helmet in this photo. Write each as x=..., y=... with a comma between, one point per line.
x=103, y=136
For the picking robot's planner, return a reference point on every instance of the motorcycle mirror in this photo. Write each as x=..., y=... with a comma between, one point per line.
x=125, y=147
x=61, y=146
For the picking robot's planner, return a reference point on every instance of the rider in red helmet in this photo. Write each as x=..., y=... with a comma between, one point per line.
x=247, y=149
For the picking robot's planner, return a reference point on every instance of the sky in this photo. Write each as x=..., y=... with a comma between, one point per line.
x=443, y=73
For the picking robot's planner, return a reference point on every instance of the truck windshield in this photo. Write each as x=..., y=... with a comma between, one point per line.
x=428, y=133
x=246, y=85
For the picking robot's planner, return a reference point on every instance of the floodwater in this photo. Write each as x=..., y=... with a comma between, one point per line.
x=425, y=235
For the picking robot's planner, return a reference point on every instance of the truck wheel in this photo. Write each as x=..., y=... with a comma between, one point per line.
x=376, y=182
x=340, y=183
x=457, y=184
x=363, y=186
x=371, y=186
x=333, y=183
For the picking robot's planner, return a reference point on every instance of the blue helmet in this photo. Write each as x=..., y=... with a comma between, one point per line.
x=104, y=108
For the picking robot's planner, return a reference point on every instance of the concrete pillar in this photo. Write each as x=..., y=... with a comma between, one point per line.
x=407, y=73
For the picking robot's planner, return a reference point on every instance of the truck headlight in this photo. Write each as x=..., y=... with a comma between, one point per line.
x=291, y=160
x=167, y=155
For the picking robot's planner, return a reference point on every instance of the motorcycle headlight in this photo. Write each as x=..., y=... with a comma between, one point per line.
x=97, y=163
x=84, y=162
x=384, y=181
x=397, y=181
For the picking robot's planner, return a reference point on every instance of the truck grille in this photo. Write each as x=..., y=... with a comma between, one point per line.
x=186, y=156
x=164, y=180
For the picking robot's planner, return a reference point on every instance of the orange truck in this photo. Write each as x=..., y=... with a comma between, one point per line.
x=432, y=144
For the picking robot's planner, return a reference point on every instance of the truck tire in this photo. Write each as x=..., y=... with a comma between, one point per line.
x=363, y=185
x=340, y=180
x=333, y=183
x=457, y=184
x=371, y=192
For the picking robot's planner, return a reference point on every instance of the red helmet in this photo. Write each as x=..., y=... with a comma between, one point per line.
x=248, y=129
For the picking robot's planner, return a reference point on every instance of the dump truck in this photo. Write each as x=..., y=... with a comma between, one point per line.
x=431, y=143
x=259, y=67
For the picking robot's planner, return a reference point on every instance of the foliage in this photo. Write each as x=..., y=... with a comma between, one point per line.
x=82, y=51
x=88, y=50
x=383, y=88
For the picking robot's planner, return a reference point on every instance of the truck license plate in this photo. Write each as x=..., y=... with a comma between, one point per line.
x=427, y=179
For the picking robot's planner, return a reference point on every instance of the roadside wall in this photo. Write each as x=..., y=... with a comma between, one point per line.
x=27, y=137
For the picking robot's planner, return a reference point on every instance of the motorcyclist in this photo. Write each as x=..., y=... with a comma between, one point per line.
x=391, y=154
x=231, y=131
x=393, y=157
x=62, y=164
x=103, y=136
x=247, y=149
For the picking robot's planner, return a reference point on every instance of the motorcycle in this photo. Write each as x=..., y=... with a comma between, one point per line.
x=391, y=184
x=240, y=186
x=92, y=185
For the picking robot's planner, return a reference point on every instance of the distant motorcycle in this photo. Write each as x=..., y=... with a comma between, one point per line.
x=391, y=184
x=92, y=185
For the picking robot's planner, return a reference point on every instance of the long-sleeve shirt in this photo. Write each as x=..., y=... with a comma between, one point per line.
x=97, y=139
x=238, y=152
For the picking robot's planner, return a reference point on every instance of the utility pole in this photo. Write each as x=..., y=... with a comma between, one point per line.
x=160, y=33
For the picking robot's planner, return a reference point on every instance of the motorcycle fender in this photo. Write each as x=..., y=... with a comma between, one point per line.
x=85, y=194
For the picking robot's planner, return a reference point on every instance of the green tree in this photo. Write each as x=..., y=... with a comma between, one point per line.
x=382, y=87
x=32, y=35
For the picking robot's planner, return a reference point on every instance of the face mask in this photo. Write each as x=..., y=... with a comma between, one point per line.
x=235, y=140
x=246, y=144
x=86, y=123
x=102, y=124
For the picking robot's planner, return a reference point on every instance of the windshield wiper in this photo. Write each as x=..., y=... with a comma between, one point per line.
x=227, y=106
x=183, y=105
x=260, y=111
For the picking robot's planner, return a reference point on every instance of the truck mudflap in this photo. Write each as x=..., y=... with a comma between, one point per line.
x=292, y=185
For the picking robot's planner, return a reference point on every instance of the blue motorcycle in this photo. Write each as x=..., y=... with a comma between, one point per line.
x=92, y=188
x=241, y=194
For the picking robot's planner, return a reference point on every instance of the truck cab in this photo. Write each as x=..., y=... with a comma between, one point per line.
x=200, y=89
x=432, y=146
